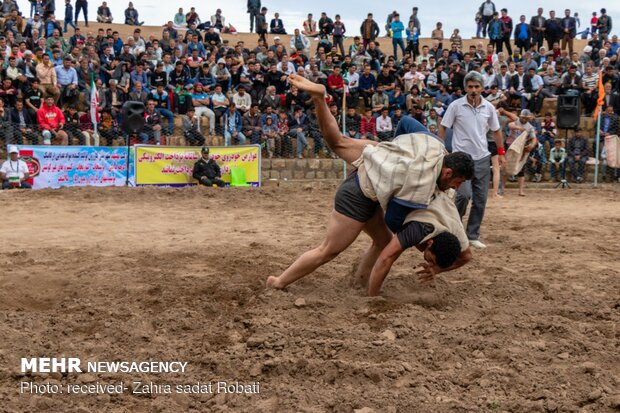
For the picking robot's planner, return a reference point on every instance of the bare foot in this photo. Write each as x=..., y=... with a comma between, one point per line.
x=521, y=194
x=497, y=196
x=273, y=282
x=302, y=83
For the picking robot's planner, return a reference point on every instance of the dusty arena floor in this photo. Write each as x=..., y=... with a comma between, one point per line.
x=163, y=274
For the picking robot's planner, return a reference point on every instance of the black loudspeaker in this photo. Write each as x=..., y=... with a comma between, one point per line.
x=569, y=109
x=132, y=117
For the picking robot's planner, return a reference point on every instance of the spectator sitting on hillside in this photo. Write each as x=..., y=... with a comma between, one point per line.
x=192, y=17
x=298, y=127
x=233, y=126
x=108, y=127
x=191, y=128
x=309, y=27
x=162, y=105
x=104, y=15
x=179, y=20
x=218, y=21
x=548, y=131
x=368, y=128
x=131, y=16
x=24, y=124
x=352, y=123
x=276, y=26
x=314, y=132
x=72, y=125
x=252, y=127
x=242, y=100
x=384, y=125
x=51, y=122
x=201, y=102
x=152, y=124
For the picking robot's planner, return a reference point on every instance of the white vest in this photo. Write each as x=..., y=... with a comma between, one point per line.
x=443, y=215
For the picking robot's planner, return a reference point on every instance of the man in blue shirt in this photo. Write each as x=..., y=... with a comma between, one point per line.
x=201, y=102
x=232, y=126
x=67, y=79
x=367, y=86
x=523, y=34
x=139, y=75
x=397, y=28
x=496, y=31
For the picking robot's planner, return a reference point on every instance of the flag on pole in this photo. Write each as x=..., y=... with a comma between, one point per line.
x=601, y=95
x=94, y=101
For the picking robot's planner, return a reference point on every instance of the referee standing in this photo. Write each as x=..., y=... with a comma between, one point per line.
x=471, y=117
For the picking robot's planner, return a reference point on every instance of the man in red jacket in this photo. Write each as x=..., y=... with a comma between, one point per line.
x=52, y=121
x=335, y=83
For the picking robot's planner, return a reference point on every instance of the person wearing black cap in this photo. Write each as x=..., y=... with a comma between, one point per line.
x=206, y=171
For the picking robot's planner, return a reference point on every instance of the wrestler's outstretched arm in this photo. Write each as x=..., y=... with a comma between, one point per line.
x=348, y=149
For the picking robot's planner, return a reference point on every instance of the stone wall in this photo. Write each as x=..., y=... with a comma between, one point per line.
x=288, y=169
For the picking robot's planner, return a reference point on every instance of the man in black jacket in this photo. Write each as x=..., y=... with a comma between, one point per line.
x=569, y=31
x=553, y=30
x=537, y=25
x=521, y=86
x=523, y=34
x=207, y=171
x=24, y=124
x=369, y=30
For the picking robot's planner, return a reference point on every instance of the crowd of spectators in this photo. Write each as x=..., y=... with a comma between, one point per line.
x=190, y=72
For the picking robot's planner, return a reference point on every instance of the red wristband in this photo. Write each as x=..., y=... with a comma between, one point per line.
x=501, y=151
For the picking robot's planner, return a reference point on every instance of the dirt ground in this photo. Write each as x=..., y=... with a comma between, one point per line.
x=178, y=275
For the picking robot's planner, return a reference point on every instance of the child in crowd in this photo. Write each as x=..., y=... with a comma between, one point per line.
x=413, y=41
x=368, y=128
x=283, y=143
x=456, y=39
x=557, y=160
x=437, y=34
x=270, y=135
x=549, y=130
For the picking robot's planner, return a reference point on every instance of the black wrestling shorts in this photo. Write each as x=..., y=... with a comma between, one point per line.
x=351, y=202
x=492, y=147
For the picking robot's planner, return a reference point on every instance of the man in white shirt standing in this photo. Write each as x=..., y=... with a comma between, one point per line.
x=14, y=172
x=470, y=118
